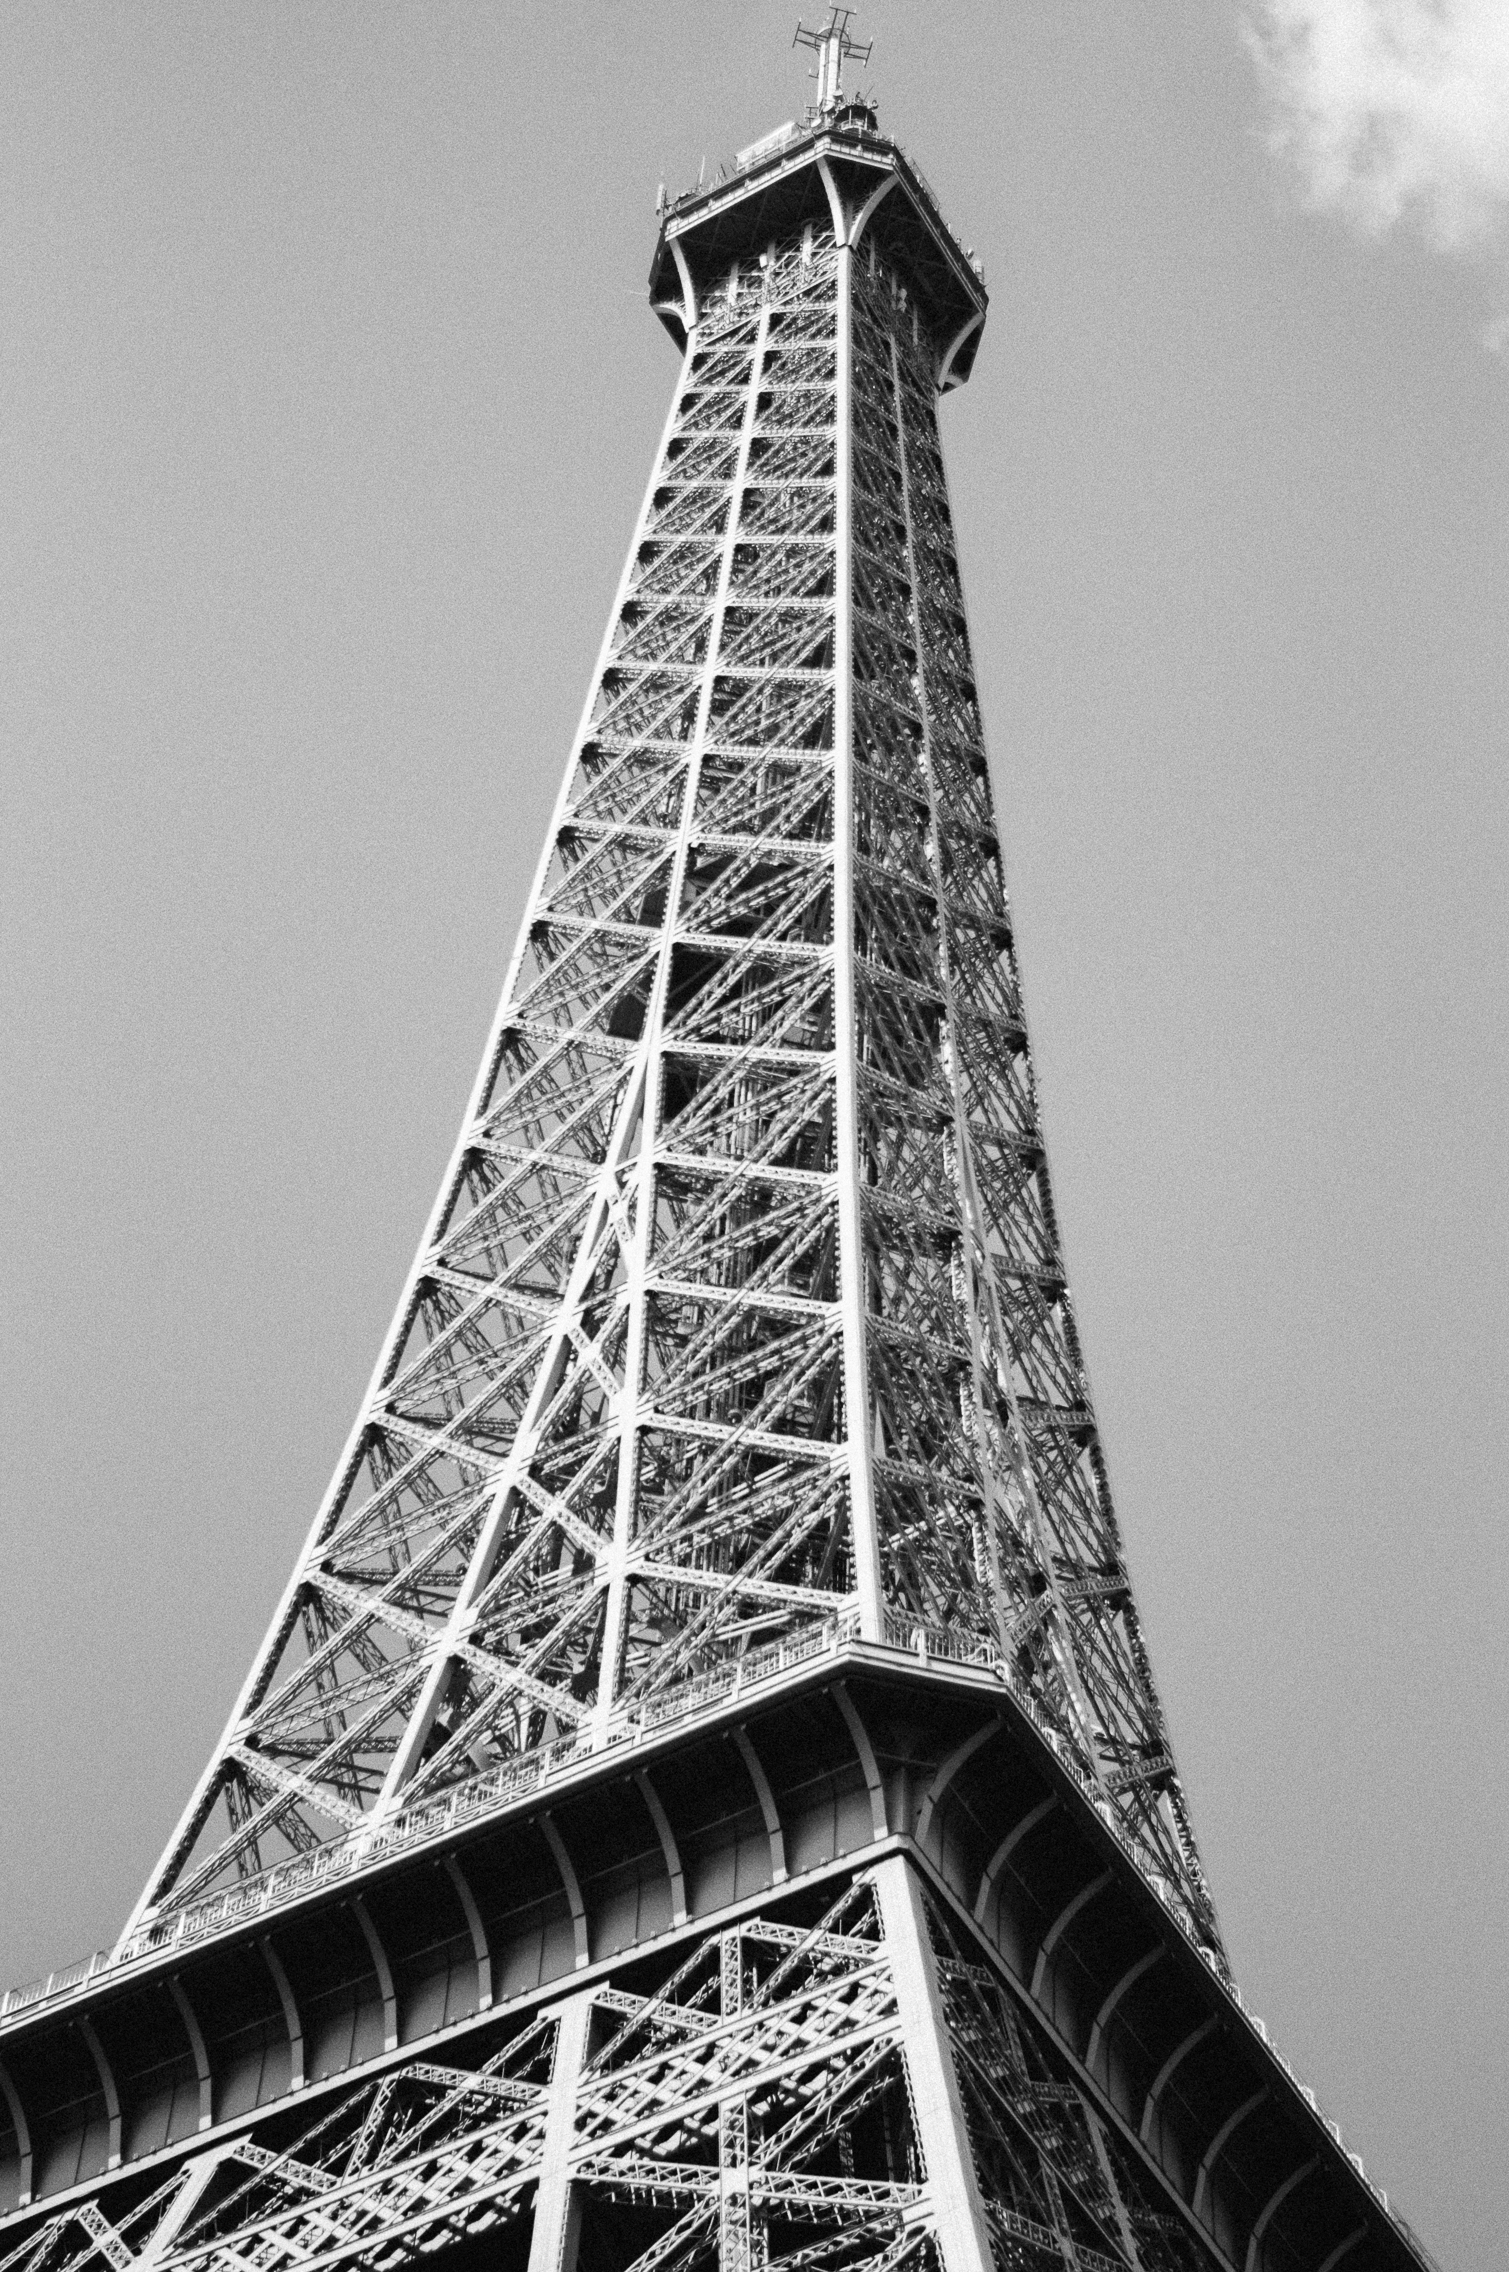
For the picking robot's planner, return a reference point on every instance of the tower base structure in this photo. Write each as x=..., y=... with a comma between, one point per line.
x=847, y=1968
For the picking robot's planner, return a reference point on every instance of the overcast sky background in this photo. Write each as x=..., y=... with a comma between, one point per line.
x=327, y=393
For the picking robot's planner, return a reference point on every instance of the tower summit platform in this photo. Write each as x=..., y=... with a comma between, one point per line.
x=836, y=172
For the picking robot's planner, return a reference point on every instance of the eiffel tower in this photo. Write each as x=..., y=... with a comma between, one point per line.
x=703, y=1798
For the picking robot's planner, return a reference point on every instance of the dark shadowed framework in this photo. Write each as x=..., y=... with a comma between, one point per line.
x=704, y=1795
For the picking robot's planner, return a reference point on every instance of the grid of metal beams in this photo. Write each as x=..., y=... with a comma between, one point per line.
x=762, y=2102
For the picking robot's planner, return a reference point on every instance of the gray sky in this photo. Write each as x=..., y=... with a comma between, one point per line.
x=327, y=392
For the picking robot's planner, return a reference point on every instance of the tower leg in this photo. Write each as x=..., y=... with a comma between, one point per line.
x=557, y=2209
x=959, y=2212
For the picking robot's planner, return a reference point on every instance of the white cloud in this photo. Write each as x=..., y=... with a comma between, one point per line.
x=1394, y=111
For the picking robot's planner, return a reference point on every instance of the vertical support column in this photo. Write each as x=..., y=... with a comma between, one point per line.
x=974, y=1245
x=982, y=1289
x=851, y=1259
x=768, y=1808
x=557, y=2209
x=291, y=2018
x=17, y=2111
x=476, y=1928
x=736, y=2238
x=107, y=2087
x=383, y=1970
x=201, y=2057
x=637, y=1253
x=937, y=2108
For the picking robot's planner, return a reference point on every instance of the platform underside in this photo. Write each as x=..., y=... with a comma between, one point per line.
x=696, y=1931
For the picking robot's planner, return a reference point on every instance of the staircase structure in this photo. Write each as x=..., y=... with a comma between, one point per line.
x=703, y=1798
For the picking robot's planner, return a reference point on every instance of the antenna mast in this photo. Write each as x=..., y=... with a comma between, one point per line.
x=831, y=43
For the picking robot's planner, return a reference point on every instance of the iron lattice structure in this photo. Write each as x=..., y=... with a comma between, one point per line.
x=743, y=1306
x=703, y=1799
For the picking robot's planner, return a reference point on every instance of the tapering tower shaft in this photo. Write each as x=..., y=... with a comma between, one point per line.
x=742, y=1308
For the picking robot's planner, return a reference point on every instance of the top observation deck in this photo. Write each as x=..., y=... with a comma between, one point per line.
x=839, y=175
